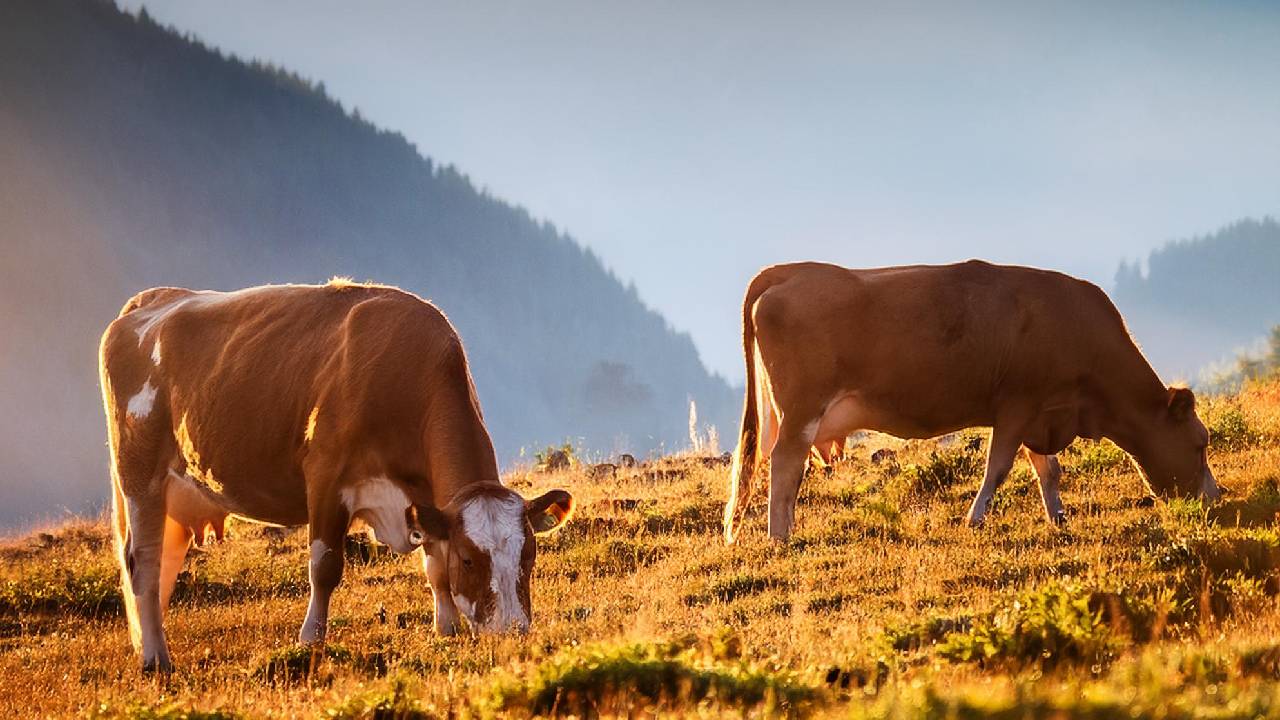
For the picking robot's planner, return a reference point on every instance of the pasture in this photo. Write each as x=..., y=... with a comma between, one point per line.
x=882, y=604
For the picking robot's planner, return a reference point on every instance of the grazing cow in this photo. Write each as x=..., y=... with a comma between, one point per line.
x=325, y=405
x=920, y=351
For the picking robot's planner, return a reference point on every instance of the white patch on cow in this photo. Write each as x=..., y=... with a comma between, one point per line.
x=310, y=433
x=140, y=404
x=381, y=504
x=496, y=526
x=314, y=627
x=155, y=353
x=465, y=606
x=150, y=317
x=810, y=432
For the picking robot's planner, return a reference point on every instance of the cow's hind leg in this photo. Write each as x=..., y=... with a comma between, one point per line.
x=1049, y=472
x=786, y=470
x=143, y=556
x=1001, y=453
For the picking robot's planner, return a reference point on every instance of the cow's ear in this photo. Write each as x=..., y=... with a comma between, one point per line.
x=433, y=522
x=1182, y=402
x=549, y=510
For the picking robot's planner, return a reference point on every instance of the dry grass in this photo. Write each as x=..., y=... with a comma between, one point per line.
x=883, y=605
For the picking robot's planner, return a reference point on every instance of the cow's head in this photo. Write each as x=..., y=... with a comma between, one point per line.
x=486, y=539
x=1174, y=461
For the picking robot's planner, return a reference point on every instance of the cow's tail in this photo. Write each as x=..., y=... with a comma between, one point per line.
x=119, y=509
x=747, y=455
x=120, y=525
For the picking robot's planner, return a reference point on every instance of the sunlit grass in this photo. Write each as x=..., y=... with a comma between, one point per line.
x=882, y=605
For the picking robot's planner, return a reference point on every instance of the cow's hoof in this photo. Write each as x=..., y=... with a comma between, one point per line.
x=1059, y=519
x=161, y=665
x=1145, y=501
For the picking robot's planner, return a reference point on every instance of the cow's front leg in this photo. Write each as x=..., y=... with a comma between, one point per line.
x=447, y=621
x=1000, y=456
x=1049, y=472
x=328, y=530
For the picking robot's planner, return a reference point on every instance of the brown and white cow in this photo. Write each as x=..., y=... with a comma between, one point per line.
x=920, y=351
x=325, y=405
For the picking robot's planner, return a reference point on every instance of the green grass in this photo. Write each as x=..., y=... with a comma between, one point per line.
x=611, y=678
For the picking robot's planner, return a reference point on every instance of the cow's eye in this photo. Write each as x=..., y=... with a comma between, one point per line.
x=466, y=562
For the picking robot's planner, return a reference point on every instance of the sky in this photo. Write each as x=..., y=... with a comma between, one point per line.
x=690, y=144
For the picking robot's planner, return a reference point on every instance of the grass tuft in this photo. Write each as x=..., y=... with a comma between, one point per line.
x=605, y=679
x=1061, y=622
x=395, y=703
x=298, y=663
x=943, y=470
x=1094, y=459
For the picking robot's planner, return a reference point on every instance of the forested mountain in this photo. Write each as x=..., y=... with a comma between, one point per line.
x=1203, y=299
x=131, y=156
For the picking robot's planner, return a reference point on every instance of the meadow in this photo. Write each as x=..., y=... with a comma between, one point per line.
x=882, y=605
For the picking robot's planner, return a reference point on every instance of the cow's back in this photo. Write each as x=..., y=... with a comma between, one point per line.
x=940, y=346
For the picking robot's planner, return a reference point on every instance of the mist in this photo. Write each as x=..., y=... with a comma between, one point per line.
x=689, y=145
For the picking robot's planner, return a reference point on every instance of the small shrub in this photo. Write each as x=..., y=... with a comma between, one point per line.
x=1229, y=429
x=1187, y=512
x=1263, y=662
x=1250, y=552
x=697, y=517
x=174, y=711
x=615, y=557
x=1094, y=459
x=827, y=603
x=393, y=704
x=918, y=635
x=1061, y=622
x=600, y=679
x=299, y=663
x=552, y=458
x=92, y=592
x=943, y=470
x=738, y=586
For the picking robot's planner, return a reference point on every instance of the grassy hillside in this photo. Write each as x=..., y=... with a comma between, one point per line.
x=881, y=606
x=132, y=156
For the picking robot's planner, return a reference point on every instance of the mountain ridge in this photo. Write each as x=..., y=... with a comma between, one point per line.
x=134, y=156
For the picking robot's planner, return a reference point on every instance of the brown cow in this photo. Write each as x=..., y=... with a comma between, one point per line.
x=325, y=405
x=921, y=351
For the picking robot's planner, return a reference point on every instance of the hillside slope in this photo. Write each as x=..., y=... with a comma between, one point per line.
x=131, y=156
x=1202, y=297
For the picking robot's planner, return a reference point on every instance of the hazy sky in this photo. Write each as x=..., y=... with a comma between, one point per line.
x=690, y=143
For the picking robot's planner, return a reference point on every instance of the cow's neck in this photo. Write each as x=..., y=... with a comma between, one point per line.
x=459, y=452
x=1134, y=397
